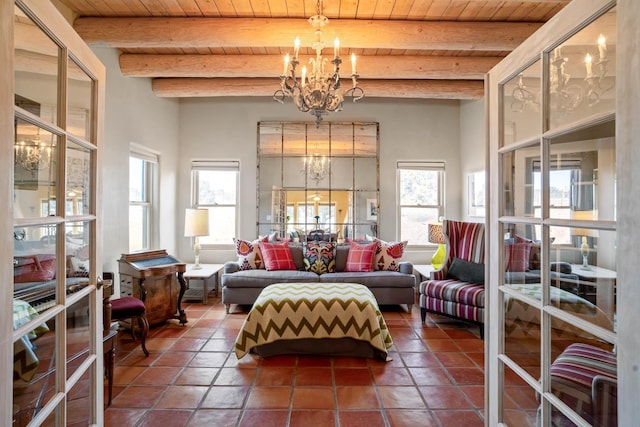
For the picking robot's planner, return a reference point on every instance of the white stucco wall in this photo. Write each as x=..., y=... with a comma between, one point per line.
x=226, y=128
x=472, y=149
x=134, y=114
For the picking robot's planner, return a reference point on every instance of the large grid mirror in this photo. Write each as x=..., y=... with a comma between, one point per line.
x=318, y=182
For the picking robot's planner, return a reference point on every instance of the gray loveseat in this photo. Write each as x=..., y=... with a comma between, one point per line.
x=389, y=287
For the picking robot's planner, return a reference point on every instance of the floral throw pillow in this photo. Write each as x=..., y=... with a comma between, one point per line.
x=320, y=257
x=360, y=257
x=388, y=255
x=249, y=256
x=277, y=256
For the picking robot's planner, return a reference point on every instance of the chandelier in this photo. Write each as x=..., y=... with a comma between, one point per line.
x=315, y=91
x=566, y=96
x=316, y=167
x=32, y=155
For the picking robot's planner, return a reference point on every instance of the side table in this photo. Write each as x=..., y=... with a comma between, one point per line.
x=604, y=281
x=423, y=271
x=208, y=274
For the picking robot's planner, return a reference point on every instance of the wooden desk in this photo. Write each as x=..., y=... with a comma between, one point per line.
x=208, y=274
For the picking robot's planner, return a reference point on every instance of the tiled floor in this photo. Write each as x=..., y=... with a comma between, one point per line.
x=193, y=378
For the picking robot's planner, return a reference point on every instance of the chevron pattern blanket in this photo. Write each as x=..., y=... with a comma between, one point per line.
x=290, y=311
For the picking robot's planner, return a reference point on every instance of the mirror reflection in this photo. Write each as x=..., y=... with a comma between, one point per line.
x=318, y=182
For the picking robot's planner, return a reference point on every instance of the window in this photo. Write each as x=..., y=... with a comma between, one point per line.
x=142, y=167
x=421, y=193
x=215, y=187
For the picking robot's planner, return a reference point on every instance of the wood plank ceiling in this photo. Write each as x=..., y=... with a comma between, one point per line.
x=405, y=48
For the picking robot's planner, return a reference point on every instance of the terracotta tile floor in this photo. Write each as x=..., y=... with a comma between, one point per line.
x=193, y=378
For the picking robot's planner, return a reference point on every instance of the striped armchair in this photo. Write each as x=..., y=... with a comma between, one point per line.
x=585, y=378
x=453, y=297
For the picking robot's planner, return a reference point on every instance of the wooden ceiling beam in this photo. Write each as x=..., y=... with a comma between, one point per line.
x=371, y=67
x=218, y=87
x=265, y=32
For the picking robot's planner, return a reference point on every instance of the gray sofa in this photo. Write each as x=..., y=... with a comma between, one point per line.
x=389, y=287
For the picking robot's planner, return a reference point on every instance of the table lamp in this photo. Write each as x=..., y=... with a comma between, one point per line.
x=584, y=233
x=196, y=223
x=436, y=236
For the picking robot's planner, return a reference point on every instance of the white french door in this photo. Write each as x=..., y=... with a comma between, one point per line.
x=52, y=101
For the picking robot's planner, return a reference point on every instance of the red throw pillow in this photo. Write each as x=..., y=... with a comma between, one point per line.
x=360, y=257
x=35, y=268
x=517, y=256
x=277, y=256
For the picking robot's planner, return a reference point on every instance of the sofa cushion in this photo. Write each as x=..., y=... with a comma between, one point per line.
x=360, y=257
x=466, y=271
x=342, y=252
x=249, y=256
x=262, y=278
x=319, y=257
x=372, y=279
x=388, y=255
x=276, y=256
x=297, y=254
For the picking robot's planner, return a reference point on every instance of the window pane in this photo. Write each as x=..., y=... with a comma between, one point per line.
x=80, y=87
x=35, y=170
x=419, y=187
x=217, y=187
x=137, y=190
x=138, y=226
x=222, y=226
x=36, y=69
x=78, y=179
x=413, y=224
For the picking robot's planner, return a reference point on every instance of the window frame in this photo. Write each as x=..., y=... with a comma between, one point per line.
x=423, y=165
x=215, y=165
x=150, y=161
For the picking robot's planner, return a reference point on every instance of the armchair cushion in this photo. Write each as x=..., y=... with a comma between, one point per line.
x=466, y=271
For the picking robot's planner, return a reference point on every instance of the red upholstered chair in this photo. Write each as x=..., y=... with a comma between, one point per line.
x=132, y=308
x=459, y=295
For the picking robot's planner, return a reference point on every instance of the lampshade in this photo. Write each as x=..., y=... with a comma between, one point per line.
x=196, y=222
x=584, y=216
x=435, y=233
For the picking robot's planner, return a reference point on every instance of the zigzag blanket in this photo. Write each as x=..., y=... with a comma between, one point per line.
x=296, y=311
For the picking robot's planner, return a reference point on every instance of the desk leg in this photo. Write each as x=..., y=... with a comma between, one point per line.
x=182, y=316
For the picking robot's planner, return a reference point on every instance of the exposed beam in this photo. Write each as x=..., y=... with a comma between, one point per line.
x=373, y=67
x=252, y=32
x=435, y=89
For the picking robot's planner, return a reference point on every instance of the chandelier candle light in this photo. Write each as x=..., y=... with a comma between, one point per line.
x=196, y=223
x=316, y=92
